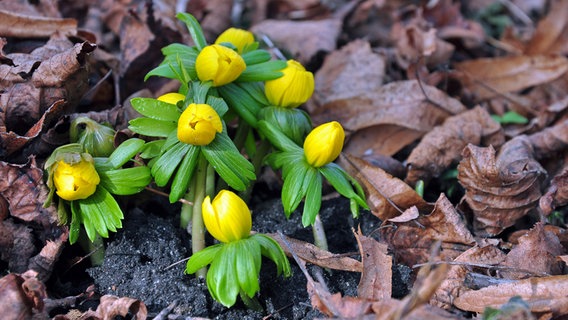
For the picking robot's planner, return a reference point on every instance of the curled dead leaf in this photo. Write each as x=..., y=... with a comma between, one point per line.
x=501, y=188
x=443, y=145
x=21, y=296
x=557, y=193
x=112, y=306
x=376, y=277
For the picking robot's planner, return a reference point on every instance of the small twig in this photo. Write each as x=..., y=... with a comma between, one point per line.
x=84, y=257
x=175, y=263
x=189, y=203
x=163, y=315
x=271, y=315
x=273, y=48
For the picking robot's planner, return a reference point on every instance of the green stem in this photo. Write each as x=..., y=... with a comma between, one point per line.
x=320, y=239
x=198, y=228
x=257, y=161
x=251, y=303
x=187, y=209
x=243, y=130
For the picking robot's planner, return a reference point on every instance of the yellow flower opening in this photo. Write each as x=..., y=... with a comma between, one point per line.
x=172, y=97
x=323, y=145
x=219, y=64
x=198, y=125
x=227, y=218
x=293, y=88
x=75, y=181
x=237, y=37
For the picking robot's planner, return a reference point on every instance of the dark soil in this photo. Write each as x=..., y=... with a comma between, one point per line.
x=145, y=260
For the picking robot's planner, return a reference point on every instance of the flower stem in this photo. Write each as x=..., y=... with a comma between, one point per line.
x=187, y=209
x=251, y=303
x=257, y=160
x=320, y=239
x=198, y=228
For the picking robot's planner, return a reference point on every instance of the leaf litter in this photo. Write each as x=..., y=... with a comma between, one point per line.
x=415, y=86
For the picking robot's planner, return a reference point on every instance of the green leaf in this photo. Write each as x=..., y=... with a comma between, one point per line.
x=312, y=204
x=510, y=117
x=277, y=138
x=100, y=213
x=272, y=250
x=74, y=228
x=240, y=102
x=194, y=29
x=184, y=174
x=126, y=181
x=256, y=56
x=247, y=263
x=264, y=71
x=200, y=90
x=156, y=109
x=167, y=163
x=292, y=122
x=228, y=162
x=344, y=184
x=152, y=127
x=125, y=151
x=293, y=190
x=222, y=278
x=202, y=258
x=152, y=149
x=218, y=104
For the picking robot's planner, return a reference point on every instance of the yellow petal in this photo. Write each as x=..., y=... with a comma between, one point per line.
x=172, y=97
x=198, y=125
x=295, y=87
x=324, y=144
x=219, y=64
x=227, y=217
x=75, y=181
x=237, y=37
x=211, y=220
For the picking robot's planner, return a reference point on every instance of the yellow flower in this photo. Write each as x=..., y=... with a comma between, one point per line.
x=293, y=88
x=219, y=64
x=198, y=125
x=227, y=218
x=172, y=97
x=324, y=144
x=77, y=180
x=237, y=37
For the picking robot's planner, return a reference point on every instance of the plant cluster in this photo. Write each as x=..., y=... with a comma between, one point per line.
x=235, y=111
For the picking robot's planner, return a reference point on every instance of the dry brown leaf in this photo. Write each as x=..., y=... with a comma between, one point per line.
x=21, y=296
x=385, y=309
x=376, y=278
x=348, y=72
x=317, y=36
x=535, y=254
x=410, y=105
x=13, y=24
x=490, y=77
x=442, y=146
x=556, y=195
x=451, y=287
x=551, y=34
x=501, y=188
x=546, y=294
x=548, y=142
x=213, y=15
x=16, y=245
x=312, y=254
x=112, y=307
x=387, y=196
x=412, y=241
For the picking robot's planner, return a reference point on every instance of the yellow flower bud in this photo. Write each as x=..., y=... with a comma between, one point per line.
x=77, y=180
x=227, y=218
x=293, y=88
x=198, y=125
x=324, y=144
x=219, y=64
x=172, y=97
x=237, y=37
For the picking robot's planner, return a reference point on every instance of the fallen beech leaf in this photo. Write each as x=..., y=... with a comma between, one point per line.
x=21, y=296
x=550, y=140
x=213, y=15
x=17, y=25
x=16, y=245
x=312, y=254
x=442, y=146
x=316, y=36
x=490, y=77
x=376, y=278
x=387, y=196
x=45, y=260
x=412, y=241
x=451, y=287
x=409, y=105
x=385, y=310
x=536, y=253
x=557, y=193
x=546, y=294
x=551, y=33
x=348, y=72
x=112, y=306
x=500, y=189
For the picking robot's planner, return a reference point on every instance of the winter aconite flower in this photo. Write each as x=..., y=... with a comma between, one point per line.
x=74, y=181
x=219, y=64
x=198, y=125
x=323, y=145
x=172, y=97
x=227, y=217
x=238, y=37
x=96, y=138
x=293, y=88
